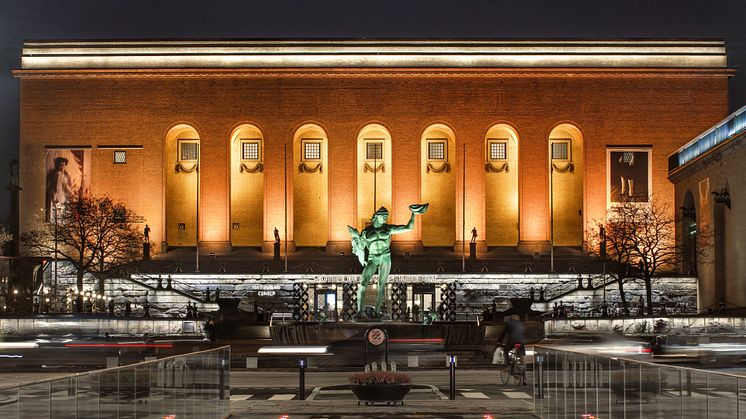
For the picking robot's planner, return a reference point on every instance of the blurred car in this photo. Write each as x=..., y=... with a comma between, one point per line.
x=706, y=354
x=594, y=343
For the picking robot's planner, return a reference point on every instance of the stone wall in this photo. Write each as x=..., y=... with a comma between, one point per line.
x=669, y=325
x=474, y=291
x=81, y=326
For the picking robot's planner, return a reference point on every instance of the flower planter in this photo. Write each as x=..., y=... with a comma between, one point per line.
x=380, y=393
x=631, y=386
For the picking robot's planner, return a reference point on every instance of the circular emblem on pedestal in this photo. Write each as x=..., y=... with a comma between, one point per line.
x=376, y=337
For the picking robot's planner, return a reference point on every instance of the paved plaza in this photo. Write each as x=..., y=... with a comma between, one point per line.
x=259, y=394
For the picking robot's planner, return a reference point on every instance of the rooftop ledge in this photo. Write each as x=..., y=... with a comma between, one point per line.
x=483, y=54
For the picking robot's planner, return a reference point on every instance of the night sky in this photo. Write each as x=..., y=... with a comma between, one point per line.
x=349, y=19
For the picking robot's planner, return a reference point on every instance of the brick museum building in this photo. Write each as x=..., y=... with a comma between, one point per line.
x=221, y=142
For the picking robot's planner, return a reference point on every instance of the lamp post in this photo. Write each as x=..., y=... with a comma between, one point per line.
x=56, y=221
x=375, y=174
x=285, y=185
x=197, y=224
x=463, y=212
x=551, y=211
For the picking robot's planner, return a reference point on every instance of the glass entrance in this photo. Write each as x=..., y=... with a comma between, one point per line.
x=325, y=303
x=423, y=299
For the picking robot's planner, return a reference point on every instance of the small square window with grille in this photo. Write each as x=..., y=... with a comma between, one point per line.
x=498, y=150
x=311, y=150
x=561, y=150
x=188, y=150
x=436, y=150
x=236, y=226
x=249, y=150
x=373, y=151
x=182, y=226
x=120, y=157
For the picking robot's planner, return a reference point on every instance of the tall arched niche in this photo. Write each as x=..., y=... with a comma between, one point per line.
x=689, y=234
x=566, y=180
x=310, y=186
x=501, y=185
x=374, y=168
x=438, y=185
x=181, y=162
x=247, y=186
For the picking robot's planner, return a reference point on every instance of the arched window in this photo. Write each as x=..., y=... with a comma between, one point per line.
x=438, y=185
x=310, y=187
x=501, y=185
x=247, y=186
x=182, y=158
x=374, y=168
x=566, y=168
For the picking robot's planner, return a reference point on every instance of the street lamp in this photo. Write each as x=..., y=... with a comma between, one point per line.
x=551, y=210
x=196, y=260
x=57, y=206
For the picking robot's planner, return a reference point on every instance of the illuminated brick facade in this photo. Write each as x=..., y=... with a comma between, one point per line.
x=141, y=100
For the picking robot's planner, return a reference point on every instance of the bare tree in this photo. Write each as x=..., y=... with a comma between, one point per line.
x=613, y=247
x=94, y=234
x=639, y=241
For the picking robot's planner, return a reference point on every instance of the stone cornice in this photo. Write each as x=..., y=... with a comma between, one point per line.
x=375, y=73
x=332, y=54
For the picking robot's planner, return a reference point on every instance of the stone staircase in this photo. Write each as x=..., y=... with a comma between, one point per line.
x=163, y=302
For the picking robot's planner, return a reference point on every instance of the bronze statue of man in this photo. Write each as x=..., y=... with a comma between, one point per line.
x=372, y=249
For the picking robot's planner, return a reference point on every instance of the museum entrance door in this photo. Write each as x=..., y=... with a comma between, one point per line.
x=326, y=299
x=423, y=295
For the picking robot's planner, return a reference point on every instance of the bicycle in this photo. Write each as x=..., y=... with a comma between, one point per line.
x=514, y=366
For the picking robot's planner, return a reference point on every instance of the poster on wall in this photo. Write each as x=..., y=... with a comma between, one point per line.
x=68, y=176
x=628, y=175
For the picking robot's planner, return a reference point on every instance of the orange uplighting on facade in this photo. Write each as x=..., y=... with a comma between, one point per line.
x=510, y=140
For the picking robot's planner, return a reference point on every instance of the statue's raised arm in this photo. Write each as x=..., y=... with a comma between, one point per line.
x=416, y=209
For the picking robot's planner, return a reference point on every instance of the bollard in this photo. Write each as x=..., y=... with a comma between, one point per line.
x=302, y=379
x=540, y=373
x=221, y=381
x=452, y=366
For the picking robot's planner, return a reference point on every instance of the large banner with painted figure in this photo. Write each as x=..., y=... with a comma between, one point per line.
x=68, y=176
x=629, y=175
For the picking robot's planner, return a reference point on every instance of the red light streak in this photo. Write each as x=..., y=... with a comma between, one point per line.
x=423, y=340
x=119, y=345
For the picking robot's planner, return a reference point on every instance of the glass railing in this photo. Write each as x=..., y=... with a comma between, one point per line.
x=730, y=127
x=578, y=385
x=194, y=385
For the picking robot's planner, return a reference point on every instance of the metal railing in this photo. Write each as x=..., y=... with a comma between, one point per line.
x=579, y=385
x=194, y=385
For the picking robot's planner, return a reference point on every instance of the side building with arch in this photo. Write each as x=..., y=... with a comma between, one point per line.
x=709, y=174
x=526, y=142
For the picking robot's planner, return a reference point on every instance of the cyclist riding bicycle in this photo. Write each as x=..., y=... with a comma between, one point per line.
x=515, y=332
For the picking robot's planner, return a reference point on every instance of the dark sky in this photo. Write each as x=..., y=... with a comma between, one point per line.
x=351, y=19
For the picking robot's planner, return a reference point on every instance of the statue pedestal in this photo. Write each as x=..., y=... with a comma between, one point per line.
x=531, y=247
x=269, y=247
x=453, y=334
x=335, y=247
x=277, y=251
x=146, y=251
x=472, y=251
